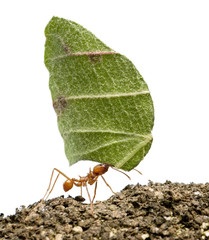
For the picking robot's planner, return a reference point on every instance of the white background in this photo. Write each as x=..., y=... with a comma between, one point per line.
x=168, y=41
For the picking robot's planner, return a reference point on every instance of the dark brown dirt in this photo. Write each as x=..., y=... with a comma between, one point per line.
x=156, y=211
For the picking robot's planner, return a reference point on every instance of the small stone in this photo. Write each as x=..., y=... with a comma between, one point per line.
x=177, y=196
x=59, y=237
x=165, y=232
x=1, y=216
x=195, y=203
x=206, y=233
x=60, y=208
x=168, y=218
x=145, y=236
x=112, y=207
x=151, y=189
x=154, y=229
x=78, y=229
x=80, y=199
x=159, y=195
x=199, y=219
x=112, y=234
x=54, y=203
x=32, y=217
x=206, y=211
x=67, y=228
x=43, y=233
x=205, y=225
x=197, y=193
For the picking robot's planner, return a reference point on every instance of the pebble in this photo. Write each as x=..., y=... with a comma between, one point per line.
x=58, y=237
x=205, y=225
x=78, y=229
x=67, y=228
x=145, y=236
x=112, y=234
x=159, y=195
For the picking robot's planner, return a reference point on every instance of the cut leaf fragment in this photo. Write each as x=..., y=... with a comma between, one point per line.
x=104, y=108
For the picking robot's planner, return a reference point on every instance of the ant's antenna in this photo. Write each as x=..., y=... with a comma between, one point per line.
x=120, y=171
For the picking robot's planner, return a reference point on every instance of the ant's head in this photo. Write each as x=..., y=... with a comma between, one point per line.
x=100, y=169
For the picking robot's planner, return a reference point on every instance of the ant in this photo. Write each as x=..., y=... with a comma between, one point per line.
x=90, y=179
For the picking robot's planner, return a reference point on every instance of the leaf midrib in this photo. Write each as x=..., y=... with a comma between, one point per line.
x=107, y=95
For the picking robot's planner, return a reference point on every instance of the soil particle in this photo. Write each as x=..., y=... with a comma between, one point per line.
x=168, y=211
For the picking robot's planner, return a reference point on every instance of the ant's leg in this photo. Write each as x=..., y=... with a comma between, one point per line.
x=108, y=185
x=95, y=190
x=91, y=204
x=59, y=172
x=50, y=183
x=48, y=188
x=52, y=187
x=81, y=190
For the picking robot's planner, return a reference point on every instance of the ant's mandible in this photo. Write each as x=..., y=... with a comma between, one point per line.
x=90, y=179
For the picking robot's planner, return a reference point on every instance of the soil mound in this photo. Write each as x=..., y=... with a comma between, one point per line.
x=156, y=211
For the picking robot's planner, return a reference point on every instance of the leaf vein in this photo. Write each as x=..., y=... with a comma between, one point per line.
x=103, y=146
x=149, y=136
x=128, y=157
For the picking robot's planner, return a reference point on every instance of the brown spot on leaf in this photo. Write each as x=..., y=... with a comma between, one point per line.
x=66, y=48
x=60, y=104
x=95, y=58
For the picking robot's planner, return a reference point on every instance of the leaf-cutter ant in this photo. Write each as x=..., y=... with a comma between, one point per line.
x=90, y=179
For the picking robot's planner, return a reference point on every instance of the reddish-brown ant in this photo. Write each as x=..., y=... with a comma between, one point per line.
x=90, y=179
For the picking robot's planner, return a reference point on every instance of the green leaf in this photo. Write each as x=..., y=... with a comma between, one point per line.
x=104, y=108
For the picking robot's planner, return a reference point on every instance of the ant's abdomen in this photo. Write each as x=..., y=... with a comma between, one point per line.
x=67, y=185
